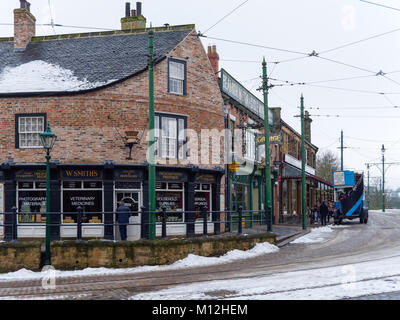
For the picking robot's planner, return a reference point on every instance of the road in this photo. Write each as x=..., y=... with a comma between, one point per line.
x=355, y=261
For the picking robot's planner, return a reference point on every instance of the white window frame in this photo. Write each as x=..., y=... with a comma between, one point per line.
x=32, y=132
x=176, y=76
x=178, y=138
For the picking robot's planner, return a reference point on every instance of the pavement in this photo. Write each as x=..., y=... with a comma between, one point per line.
x=284, y=233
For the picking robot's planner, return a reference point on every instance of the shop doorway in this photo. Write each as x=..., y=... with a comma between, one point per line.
x=132, y=200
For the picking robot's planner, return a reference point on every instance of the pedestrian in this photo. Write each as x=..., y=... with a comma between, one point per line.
x=123, y=213
x=316, y=214
x=323, y=211
x=330, y=214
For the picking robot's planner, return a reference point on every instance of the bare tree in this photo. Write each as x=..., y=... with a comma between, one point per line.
x=327, y=162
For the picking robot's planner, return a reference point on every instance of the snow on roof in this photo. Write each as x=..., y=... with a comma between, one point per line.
x=40, y=76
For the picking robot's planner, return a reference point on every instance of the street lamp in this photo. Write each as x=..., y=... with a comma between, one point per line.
x=48, y=139
x=383, y=177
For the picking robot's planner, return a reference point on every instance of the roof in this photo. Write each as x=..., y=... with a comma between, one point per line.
x=80, y=62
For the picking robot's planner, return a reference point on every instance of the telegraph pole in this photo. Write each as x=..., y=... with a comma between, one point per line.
x=383, y=178
x=303, y=166
x=368, y=165
x=152, y=168
x=341, y=147
x=268, y=200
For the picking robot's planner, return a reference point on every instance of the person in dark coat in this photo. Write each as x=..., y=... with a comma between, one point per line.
x=323, y=211
x=123, y=214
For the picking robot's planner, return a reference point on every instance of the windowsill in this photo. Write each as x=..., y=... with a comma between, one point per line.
x=178, y=94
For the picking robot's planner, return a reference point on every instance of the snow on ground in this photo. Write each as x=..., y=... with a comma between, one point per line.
x=40, y=76
x=390, y=211
x=190, y=261
x=331, y=283
x=316, y=235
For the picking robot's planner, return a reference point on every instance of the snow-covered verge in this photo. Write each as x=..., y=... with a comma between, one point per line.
x=389, y=211
x=316, y=235
x=330, y=283
x=189, y=262
x=40, y=76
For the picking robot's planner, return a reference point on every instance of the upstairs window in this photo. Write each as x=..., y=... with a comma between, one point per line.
x=28, y=128
x=177, y=76
x=170, y=136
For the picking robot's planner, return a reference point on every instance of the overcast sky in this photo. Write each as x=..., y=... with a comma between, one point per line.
x=367, y=118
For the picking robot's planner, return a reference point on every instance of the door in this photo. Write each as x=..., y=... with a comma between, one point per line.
x=132, y=200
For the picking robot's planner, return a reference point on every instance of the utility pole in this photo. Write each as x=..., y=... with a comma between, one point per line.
x=303, y=166
x=341, y=147
x=383, y=178
x=268, y=200
x=368, y=166
x=152, y=168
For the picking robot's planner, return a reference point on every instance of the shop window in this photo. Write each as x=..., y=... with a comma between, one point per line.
x=250, y=145
x=170, y=136
x=27, y=130
x=31, y=202
x=170, y=195
x=85, y=194
x=202, y=197
x=177, y=76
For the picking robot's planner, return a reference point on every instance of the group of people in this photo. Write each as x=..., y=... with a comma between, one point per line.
x=322, y=213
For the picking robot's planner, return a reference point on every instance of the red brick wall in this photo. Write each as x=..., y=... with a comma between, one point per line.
x=24, y=28
x=91, y=127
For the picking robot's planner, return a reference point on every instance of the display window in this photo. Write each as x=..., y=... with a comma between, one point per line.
x=31, y=202
x=202, y=197
x=170, y=195
x=85, y=194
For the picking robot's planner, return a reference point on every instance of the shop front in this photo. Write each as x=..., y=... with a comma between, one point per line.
x=96, y=190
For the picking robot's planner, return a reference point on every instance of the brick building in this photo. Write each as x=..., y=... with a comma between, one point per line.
x=93, y=90
x=245, y=122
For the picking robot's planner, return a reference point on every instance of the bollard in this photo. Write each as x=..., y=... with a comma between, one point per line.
x=164, y=223
x=240, y=211
x=79, y=224
x=205, y=222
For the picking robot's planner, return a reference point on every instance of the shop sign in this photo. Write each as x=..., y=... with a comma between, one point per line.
x=238, y=92
x=81, y=174
x=273, y=139
x=205, y=178
x=25, y=174
x=2, y=208
x=172, y=176
x=132, y=175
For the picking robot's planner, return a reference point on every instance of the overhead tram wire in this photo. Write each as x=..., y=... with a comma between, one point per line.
x=227, y=15
x=380, y=5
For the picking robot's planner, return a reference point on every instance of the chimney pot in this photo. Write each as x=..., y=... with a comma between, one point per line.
x=139, y=8
x=133, y=13
x=127, y=9
x=22, y=4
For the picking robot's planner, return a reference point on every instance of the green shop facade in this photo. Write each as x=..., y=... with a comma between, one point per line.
x=245, y=179
x=97, y=189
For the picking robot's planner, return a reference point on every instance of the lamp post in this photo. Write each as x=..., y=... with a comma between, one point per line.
x=48, y=139
x=383, y=177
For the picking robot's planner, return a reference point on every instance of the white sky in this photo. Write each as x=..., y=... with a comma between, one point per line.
x=301, y=26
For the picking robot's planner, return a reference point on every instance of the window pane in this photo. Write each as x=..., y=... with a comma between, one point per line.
x=177, y=70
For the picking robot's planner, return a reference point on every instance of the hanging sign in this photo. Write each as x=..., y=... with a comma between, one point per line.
x=273, y=139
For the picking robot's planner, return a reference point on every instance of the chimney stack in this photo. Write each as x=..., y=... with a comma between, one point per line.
x=307, y=126
x=134, y=20
x=213, y=56
x=24, y=25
